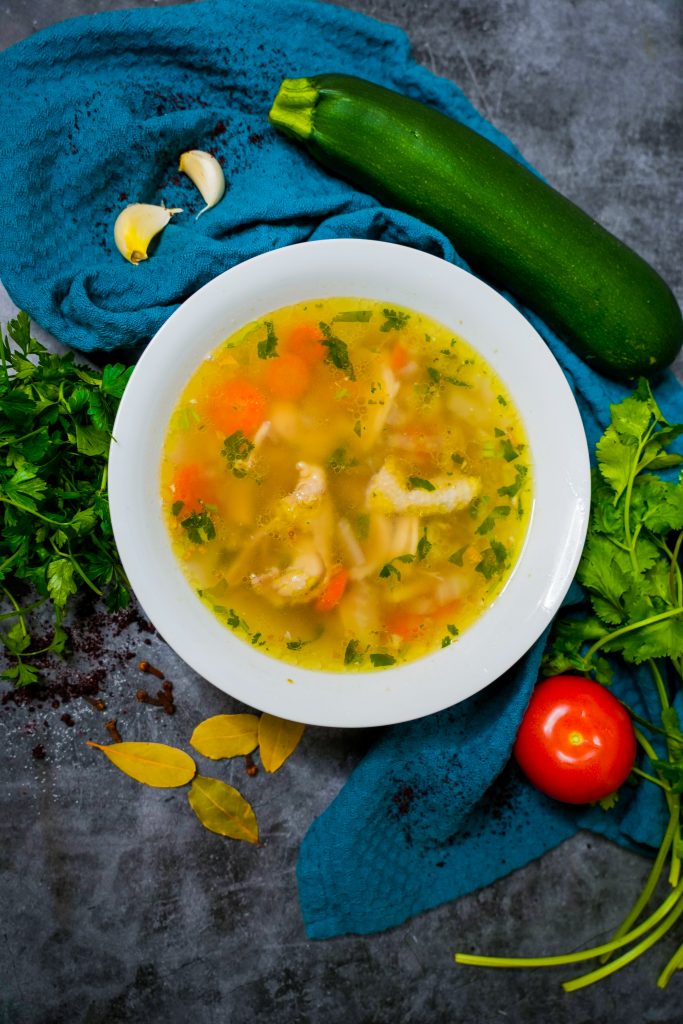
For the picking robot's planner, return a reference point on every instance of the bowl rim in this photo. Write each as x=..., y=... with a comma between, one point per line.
x=545, y=567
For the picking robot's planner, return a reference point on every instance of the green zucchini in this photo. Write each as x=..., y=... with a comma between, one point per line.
x=605, y=301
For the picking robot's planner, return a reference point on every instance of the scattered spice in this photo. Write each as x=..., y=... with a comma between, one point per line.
x=163, y=698
x=113, y=731
x=249, y=766
x=95, y=702
x=145, y=666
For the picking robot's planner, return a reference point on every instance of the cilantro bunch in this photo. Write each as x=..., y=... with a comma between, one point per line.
x=631, y=569
x=56, y=419
x=632, y=573
x=631, y=564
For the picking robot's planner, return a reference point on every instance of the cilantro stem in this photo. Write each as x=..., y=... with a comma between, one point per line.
x=563, y=959
x=629, y=629
x=652, y=754
x=650, y=778
x=644, y=721
x=652, y=879
x=631, y=954
x=674, y=964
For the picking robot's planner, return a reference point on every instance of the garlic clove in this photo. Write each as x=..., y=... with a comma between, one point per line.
x=137, y=225
x=206, y=173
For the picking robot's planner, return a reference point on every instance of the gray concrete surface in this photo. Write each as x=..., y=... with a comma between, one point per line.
x=115, y=906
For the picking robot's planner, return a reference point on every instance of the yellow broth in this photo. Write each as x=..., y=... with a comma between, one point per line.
x=346, y=485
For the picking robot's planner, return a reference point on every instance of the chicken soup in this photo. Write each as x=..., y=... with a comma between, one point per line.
x=346, y=485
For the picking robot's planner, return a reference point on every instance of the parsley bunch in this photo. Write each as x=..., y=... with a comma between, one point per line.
x=56, y=419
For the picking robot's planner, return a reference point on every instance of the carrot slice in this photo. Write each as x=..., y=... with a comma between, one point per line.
x=334, y=591
x=407, y=625
x=236, y=405
x=190, y=486
x=412, y=625
x=287, y=376
x=398, y=358
x=304, y=341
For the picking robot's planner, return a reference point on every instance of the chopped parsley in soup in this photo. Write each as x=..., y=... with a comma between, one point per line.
x=346, y=485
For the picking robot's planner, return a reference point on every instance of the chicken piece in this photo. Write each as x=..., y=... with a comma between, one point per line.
x=386, y=493
x=290, y=557
x=379, y=411
x=388, y=537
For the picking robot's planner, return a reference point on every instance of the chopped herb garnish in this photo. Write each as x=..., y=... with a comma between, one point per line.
x=352, y=654
x=457, y=557
x=267, y=348
x=177, y=507
x=357, y=428
x=453, y=630
x=392, y=570
x=499, y=512
x=394, y=320
x=199, y=526
x=235, y=622
x=509, y=452
x=389, y=570
x=501, y=400
x=421, y=483
x=457, y=458
x=436, y=377
x=514, y=488
x=360, y=316
x=446, y=641
x=380, y=660
x=236, y=450
x=492, y=560
x=337, y=351
x=423, y=547
x=498, y=432
x=338, y=461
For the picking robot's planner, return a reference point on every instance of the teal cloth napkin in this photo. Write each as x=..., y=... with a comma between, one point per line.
x=95, y=112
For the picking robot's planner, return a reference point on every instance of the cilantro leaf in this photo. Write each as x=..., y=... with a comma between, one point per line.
x=267, y=349
x=337, y=351
x=394, y=320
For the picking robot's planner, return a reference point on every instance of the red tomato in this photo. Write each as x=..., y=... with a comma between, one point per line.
x=576, y=741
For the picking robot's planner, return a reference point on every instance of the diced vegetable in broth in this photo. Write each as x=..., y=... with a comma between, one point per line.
x=346, y=485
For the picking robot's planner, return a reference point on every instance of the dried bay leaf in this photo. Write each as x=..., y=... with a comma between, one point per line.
x=222, y=809
x=154, y=764
x=277, y=738
x=226, y=736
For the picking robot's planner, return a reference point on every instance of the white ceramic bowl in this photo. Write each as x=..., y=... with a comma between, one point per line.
x=560, y=468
